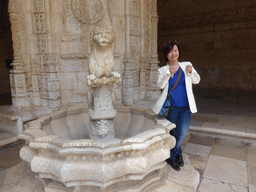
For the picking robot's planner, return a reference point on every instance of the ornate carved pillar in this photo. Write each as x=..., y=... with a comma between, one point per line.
x=154, y=56
x=48, y=81
x=143, y=62
x=128, y=61
x=20, y=97
x=41, y=46
x=35, y=97
x=53, y=83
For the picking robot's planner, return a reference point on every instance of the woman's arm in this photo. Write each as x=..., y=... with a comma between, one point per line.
x=164, y=75
x=195, y=77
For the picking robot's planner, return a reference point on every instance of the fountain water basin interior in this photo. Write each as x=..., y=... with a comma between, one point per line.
x=64, y=157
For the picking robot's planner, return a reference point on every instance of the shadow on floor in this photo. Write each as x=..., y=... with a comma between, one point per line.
x=226, y=102
x=5, y=99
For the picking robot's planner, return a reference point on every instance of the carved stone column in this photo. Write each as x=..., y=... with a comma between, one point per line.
x=128, y=81
x=35, y=97
x=154, y=56
x=128, y=62
x=41, y=45
x=53, y=83
x=20, y=97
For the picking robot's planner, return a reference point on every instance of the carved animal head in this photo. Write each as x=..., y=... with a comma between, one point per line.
x=101, y=37
x=101, y=61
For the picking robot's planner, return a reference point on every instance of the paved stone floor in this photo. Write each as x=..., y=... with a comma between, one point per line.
x=221, y=145
x=224, y=164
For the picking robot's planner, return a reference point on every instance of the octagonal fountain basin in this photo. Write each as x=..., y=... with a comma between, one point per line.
x=64, y=158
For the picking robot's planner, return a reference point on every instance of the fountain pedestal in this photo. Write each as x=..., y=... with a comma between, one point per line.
x=102, y=112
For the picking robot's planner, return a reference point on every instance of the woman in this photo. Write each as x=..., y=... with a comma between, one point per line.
x=182, y=97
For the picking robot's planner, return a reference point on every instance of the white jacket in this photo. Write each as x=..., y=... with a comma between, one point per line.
x=163, y=82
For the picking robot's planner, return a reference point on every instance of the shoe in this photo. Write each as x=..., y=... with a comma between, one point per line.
x=179, y=160
x=173, y=164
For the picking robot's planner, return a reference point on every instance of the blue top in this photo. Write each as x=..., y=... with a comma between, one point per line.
x=179, y=96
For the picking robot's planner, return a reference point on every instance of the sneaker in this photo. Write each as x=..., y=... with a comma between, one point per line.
x=173, y=164
x=179, y=160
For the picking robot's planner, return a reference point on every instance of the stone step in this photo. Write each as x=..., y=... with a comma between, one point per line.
x=12, y=121
x=7, y=137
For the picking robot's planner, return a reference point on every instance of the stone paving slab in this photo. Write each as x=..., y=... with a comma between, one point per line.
x=252, y=175
x=251, y=155
x=19, y=178
x=187, y=176
x=230, y=152
x=196, y=149
x=227, y=170
x=198, y=162
x=208, y=185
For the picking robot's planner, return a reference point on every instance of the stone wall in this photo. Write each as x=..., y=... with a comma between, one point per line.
x=217, y=36
x=51, y=49
x=6, y=51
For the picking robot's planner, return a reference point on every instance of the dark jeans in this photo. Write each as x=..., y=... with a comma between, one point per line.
x=181, y=117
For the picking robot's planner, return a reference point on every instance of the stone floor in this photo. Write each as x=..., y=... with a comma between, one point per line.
x=225, y=165
x=221, y=146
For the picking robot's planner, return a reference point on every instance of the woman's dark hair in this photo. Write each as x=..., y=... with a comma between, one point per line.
x=168, y=46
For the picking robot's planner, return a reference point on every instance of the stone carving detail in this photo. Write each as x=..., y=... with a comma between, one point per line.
x=53, y=83
x=87, y=11
x=48, y=81
x=154, y=57
x=135, y=39
x=41, y=44
x=237, y=14
x=101, y=61
x=18, y=74
x=101, y=80
x=102, y=129
x=69, y=19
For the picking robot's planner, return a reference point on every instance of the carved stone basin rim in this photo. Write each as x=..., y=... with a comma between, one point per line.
x=137, y=155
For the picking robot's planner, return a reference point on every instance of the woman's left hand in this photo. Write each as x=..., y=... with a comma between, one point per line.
x=189, y=68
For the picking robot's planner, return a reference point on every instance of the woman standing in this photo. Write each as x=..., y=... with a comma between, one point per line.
x=182, y=97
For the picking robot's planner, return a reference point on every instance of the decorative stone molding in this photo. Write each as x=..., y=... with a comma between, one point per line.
x=72, y=56
x=245, y=13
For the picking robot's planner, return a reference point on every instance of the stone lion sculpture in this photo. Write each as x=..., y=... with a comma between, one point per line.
x=101, y=60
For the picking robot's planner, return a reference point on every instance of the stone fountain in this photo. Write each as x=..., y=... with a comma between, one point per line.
x=99, y=147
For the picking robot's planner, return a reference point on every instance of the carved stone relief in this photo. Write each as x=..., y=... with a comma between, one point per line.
x=87, y=11
x=79, y=18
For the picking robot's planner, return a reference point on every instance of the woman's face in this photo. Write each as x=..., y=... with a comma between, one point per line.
x=174, y=54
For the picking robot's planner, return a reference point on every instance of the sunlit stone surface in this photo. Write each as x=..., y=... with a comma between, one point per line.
x=61, y=151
